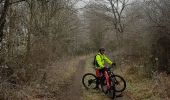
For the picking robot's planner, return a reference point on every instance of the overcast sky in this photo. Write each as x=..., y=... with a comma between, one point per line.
x=81, y=3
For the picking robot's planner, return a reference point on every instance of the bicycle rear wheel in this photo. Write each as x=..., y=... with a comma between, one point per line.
x=120, y=84
x=89, y=81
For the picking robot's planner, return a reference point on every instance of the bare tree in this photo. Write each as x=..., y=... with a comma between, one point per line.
x=5, y=4
x=158, y=16
x=35, y=33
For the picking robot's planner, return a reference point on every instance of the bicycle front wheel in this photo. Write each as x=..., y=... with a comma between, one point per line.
x=89, y=81
x=103, y=84
x=120, y=84
x=111, y=91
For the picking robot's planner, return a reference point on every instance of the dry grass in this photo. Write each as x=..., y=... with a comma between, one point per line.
x=59, y=77
x=47, y=86
x=161, y=86
x=141, y=88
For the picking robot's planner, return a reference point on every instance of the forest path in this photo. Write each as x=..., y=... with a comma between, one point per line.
x=73, y=90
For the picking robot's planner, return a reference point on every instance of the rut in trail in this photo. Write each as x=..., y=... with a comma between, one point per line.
x=74, y=90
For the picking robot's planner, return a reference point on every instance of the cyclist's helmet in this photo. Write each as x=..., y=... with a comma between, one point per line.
x=101, y=49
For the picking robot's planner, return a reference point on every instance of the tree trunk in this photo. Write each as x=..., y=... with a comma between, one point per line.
x=2, y=18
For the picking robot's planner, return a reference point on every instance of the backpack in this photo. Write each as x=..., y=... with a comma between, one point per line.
x=94, y=61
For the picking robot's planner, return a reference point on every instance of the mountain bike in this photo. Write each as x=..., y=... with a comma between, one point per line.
x=110, y=83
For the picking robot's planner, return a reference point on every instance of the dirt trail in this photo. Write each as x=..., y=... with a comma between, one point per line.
x=74, y=91
x=125, y=97
x=71, y=87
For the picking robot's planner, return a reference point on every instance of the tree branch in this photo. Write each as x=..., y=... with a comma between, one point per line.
x=2, y=18
x=16, y=2
x=1, y=1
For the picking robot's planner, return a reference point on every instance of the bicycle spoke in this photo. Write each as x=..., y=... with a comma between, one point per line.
x=89, y=81
x=120, y=83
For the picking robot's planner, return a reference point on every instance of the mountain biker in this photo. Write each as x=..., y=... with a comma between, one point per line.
x=101, y=59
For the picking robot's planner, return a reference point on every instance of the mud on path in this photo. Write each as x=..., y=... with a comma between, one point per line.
x=73, y=89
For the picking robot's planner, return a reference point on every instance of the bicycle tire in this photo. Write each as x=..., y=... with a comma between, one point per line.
x=111, y=92
x=88, y=83
x=112, y=89
x=121, y=80
x=103, y=85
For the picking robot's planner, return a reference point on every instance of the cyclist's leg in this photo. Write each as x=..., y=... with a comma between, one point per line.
x=107, y=79
x=98, y=77
x=97, y=73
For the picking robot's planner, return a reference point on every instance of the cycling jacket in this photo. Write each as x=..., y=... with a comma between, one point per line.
x=101, y=59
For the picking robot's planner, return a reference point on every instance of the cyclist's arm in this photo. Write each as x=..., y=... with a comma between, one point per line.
x=107, y=60
x=100, y=64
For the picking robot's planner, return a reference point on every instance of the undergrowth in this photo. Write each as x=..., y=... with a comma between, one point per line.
x=141, y=87
x=45, y=83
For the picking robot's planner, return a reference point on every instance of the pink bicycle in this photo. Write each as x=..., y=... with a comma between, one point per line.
x=110, y=83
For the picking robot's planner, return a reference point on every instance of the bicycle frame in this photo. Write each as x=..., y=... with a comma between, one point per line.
x=107, y=79
x=106, y=75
